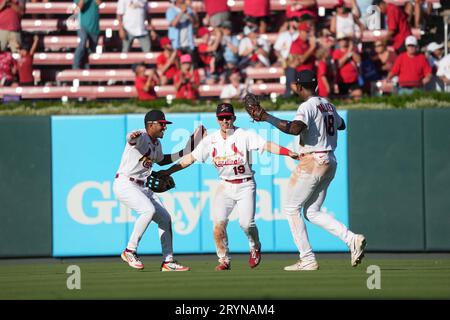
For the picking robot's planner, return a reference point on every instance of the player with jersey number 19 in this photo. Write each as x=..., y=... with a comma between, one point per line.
x=230, y=150
x=317, y=122
x=142, y=150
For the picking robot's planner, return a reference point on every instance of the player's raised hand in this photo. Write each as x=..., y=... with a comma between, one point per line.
x=135, y=134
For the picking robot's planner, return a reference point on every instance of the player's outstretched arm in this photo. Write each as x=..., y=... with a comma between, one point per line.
x=282, y=151
x=183, y=164
x=289, y=127
x=194, y=140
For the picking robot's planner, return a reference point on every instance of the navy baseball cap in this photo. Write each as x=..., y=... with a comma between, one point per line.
x=156, y=115
x=225, y=109
x=307, y=78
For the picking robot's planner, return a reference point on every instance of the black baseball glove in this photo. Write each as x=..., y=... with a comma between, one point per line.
x=253, y=107
x=160, y=183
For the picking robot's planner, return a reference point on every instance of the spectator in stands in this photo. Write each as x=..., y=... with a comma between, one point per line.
x=299, y=8
x=345, y=21
x=88, y=32
x=11, y=12
x=443, y=72
x=284, y=41
x=8, y=68
x=167, y=62
x=235, y=89
x=411, y=67
x=133, y=19
x=229, y=50
x=217, y=12
x=25, y=62
x=187, y=79
x=208, y=52
x=397, y=24
x=182, y=19
x=362, y=6
x=145, y=82
x=259, y=10
x=254, y=50
x=384, y=58
x=324, y=75
x=326, y=39
x=347, y=59
x=435, y=52
x=301, y=56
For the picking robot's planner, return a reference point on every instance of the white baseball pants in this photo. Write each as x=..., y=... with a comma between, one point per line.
x=308, y=186
x=229, y=195
x=149, y=207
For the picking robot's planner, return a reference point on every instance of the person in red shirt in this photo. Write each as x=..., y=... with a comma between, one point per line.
x=11, y=12
x=412, y=68
x=259, y=10
x=207, y=50
x=187, y=79
x=167, y=62
x=8, y=68
x=397, y=24
x=346, y=60
x=301, y=56
x=25, y=62
x=323, y=72
x=217, y=12
x=145, y=82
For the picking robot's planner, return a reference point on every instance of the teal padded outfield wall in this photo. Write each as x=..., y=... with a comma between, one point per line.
x=436, y=128
x=398, y=181
x=399, y=177
x=25, y=187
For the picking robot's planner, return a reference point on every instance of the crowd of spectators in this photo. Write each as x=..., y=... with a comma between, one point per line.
x=218, y=46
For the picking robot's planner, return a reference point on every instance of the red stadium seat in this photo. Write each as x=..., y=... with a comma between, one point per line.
x=112, y=58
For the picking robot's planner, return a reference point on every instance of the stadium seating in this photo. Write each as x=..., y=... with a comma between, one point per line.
x=110, y=92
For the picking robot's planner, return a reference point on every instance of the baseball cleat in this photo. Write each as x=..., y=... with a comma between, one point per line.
x=255, y=258
x=173, y=266
x=223, y=266
x=303, y=266
x=357, y=246
x=132, y=259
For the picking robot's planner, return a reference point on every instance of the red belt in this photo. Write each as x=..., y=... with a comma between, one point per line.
x=139, y=182
x=239, y=180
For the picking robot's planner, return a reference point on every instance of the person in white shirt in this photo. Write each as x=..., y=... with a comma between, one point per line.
x=443, y=71
x=142, y=150
x=133, y=19
x=284, y=40
x=317, y=122
x=235, y=89
x=230, y=151
x=254, y=50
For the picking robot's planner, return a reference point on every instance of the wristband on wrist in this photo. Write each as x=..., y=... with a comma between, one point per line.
x=284, y=151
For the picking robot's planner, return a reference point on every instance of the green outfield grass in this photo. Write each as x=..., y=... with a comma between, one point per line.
x=427, y=278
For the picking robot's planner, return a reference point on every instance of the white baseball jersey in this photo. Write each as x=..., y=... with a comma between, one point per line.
x=139, y=156
x=322, y=121
x=230, y=156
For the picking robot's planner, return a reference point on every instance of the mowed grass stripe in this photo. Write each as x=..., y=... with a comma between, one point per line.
x=336, y=279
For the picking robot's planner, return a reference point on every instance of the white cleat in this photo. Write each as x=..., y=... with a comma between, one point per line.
x=132, y=259
x=173, y=266
x=357, y=246
x=303, y=266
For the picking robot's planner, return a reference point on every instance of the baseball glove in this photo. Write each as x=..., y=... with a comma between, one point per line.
x=253, y=108
x=160, y=183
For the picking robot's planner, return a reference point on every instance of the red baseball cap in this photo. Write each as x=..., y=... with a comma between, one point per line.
x=164, y=41
x=202, y=31
x=304, y=26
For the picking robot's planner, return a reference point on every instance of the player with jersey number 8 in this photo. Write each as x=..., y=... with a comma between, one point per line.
x=317, y=123
x=229, y=148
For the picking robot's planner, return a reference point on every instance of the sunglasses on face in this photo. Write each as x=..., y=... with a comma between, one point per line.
x=221, y=118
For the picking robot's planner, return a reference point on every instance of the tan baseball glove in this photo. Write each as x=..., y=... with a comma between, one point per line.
x=253, y=108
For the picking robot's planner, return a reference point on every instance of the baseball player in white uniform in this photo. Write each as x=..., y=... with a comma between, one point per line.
x=142, y=150
x=230, y=150
x=317, y=122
